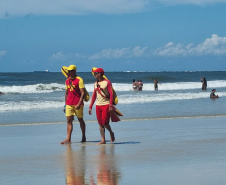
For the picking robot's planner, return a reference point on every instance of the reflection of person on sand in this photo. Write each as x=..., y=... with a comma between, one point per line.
x=212, y=94
x=102, y=88
x=156, y=84
x=75, y=166
x=107, y=171
x=74, y=102
x=204, y=83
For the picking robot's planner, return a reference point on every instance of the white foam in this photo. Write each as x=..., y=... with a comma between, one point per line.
x=37, y=88
x=171, y=86
x=25, y=105
x=159, y=97
x=119, y=87
x=123, y=99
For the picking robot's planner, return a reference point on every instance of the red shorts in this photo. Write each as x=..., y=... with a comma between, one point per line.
x=103, y=114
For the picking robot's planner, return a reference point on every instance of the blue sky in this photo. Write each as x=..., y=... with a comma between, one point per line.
x=118, y=35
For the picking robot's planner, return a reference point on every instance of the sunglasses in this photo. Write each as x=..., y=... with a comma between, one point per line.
x=96, y=73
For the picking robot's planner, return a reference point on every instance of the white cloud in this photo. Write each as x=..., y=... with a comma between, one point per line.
x=211, y=46
x=119, y=53
x=196, y=2
x=77, y=7
x=70, y=7
x=2, y=53
x=215, y=46
x=60, y=56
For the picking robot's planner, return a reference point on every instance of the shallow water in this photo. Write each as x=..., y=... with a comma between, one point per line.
x=165, y=151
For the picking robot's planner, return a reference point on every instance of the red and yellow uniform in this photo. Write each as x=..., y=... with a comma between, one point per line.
x=103, y=92
x=73, y=87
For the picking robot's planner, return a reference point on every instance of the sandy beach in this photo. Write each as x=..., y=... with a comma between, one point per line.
x=163, y=151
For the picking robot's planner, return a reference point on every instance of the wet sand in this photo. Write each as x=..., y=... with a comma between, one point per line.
x=164, y=151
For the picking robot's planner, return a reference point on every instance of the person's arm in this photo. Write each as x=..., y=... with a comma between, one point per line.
x=66, y=95
x=110, y=90
x=81, y=88
x=65, y=98
x=81, y=98
x=93, y=99
x=212, y=95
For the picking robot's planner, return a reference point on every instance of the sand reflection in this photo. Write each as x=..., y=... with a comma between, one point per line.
x=75, y=166
x=107, y=172
x=95, y=167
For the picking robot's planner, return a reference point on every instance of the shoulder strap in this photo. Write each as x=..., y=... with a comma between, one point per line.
x=73, y=87
x=102, y=91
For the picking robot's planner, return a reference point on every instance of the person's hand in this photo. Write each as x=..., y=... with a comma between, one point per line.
x=90, y=111
x=110, y=108
x=77, y=107
x=64, y=108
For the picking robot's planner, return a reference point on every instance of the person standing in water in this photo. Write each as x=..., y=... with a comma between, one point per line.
x=155, y=84
x=102, y=90
x=140, y=85
x=204, y=83
x=74, y=103
x=134, y=85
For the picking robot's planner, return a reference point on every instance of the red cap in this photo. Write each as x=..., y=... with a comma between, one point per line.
x=99, y=70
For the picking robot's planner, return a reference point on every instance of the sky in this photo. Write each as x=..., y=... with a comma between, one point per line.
x=117, y=35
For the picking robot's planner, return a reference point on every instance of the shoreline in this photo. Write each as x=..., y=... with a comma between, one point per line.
x=122, y=120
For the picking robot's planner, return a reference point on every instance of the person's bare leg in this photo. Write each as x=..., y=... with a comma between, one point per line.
x=102, y=133
x=83, y=129
x=108, y=127
x=69, y=130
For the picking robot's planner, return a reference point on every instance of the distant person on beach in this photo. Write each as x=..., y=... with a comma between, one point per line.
x=156, y=82
x=212, y=94
x=204, y=83
x=74, y=103
x=102, y=90
x=140, y=85
x=134, y=85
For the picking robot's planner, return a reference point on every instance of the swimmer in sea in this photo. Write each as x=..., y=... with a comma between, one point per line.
x=212, y=94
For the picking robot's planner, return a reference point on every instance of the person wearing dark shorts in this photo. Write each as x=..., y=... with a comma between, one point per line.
x=156, y=82
x=102, y=90
x=204, y=83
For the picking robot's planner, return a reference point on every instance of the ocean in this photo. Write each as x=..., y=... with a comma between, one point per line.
x=177, y=131
x=38, y=98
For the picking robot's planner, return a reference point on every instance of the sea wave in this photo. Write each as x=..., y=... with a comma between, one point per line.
x=27, y=105
x=37, y=88
x=123, y=99
x=160, y=97
x=119, y=87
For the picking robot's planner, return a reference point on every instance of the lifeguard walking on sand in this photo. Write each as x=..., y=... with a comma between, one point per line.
x=102, y=90
x=74, y=103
